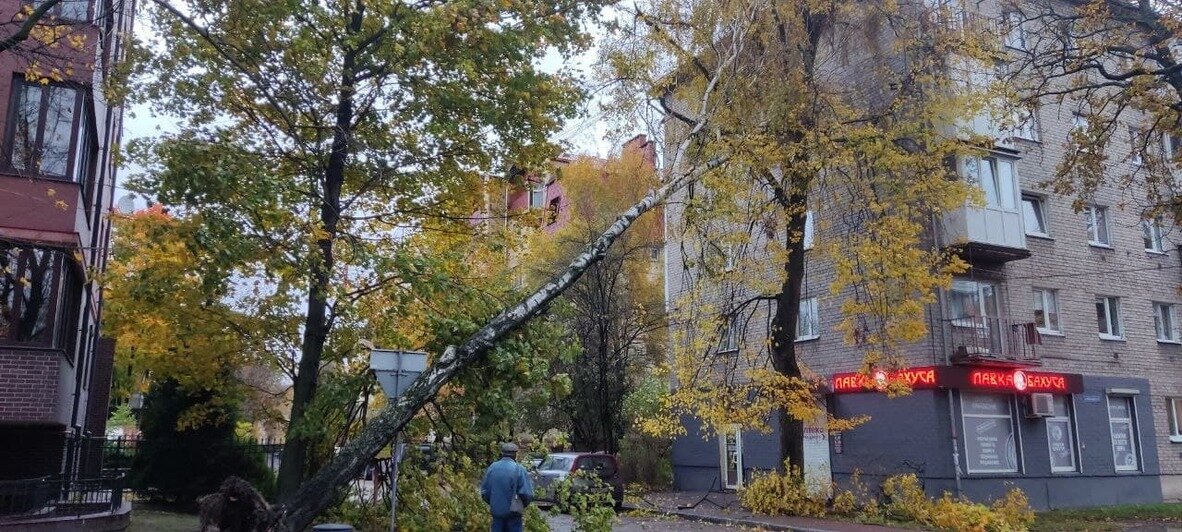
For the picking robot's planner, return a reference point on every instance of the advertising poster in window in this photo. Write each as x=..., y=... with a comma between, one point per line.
x=989, y=434
x=1062, y=452
x=1123, y=450
x=818, y=475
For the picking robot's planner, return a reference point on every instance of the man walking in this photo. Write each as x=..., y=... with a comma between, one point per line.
x=507, y=490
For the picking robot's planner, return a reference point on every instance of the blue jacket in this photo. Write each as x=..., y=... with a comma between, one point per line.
x=502, y=480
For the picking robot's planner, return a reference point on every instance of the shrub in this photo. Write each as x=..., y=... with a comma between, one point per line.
x=175, y=467
x=907, y=500
x=588, y=500
x=781, y=493
x=646, y=460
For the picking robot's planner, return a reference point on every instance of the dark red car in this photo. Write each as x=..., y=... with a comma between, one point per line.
x=556, y=467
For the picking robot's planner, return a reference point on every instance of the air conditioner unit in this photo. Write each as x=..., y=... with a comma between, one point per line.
x=1041, y=405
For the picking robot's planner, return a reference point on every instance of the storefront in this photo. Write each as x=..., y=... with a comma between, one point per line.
x=1065, y=439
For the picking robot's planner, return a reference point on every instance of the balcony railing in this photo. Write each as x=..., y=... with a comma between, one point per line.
x=991, y=338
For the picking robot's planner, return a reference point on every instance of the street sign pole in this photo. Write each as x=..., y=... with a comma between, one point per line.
x=396, y=456
x=396, y=370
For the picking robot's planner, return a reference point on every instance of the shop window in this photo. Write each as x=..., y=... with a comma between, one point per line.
x=1108, y=320
x=808, y=324
x=1122, y=424
x=1061, y=437
x=29, y=279
x=1174, y=418
x=990, y=440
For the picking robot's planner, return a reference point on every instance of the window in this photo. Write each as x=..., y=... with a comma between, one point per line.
x=1061, y=437
x=1035, y=215
x=28, y=294
x=1174, y=418
x=990, y=443
x=1136, y=146
x=807, y=323
x=1165, y=322
x=809, y=231
x=1079, y=124
x=1046, y=311
x=537, y=195
x=730, y=450
x=729, y=342
x=1108, y=317
x=68, y=9
x=1152, y=235
x=1015, y=32
x=1097, y=218
x=1025, y=125
x=996, y=178
x=1170, y=147
x=973, y=303
x=1121, y=416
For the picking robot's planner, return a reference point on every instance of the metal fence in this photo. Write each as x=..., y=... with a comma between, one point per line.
x=97, y=455
x=53, y=496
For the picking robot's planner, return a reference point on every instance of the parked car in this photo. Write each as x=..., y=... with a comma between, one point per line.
x=556, y=467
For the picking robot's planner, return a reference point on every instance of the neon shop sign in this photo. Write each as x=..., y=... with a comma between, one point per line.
x=979, y=378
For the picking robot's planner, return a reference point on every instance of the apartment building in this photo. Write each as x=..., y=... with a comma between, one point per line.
x=57, y=178
x=1054, y=364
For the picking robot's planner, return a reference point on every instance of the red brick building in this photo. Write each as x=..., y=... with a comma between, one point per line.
x=57, y=178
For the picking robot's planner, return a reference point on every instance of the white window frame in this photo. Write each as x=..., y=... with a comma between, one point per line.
x=538, y=190
x=808, y=309
x=1015, y=31
x=1151, y=234
x=1131, y=423
x=1174, y=419
x=1040, y=206
x=1043, y=296
x=996, y=186
x=1136, y=154
x=1071, y=437
x=1025, y=125
x=810, y=233
x=738, y=432
x=1111, y=318
x=1165, y=319
x=1009, y=401
x=1169, y=144
x=1094, y=227
x=729, y=341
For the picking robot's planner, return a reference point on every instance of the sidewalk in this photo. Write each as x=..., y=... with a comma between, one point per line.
x=723, y=508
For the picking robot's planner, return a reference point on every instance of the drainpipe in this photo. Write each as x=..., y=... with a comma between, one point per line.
x=947, y=361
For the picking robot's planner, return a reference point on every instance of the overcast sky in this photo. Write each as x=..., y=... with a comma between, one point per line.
x=584, y=135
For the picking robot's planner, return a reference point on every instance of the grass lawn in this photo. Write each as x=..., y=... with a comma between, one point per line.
x=1108, y=517
x=149, y=519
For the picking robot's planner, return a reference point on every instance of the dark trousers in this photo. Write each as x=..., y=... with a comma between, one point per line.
x=509, y=523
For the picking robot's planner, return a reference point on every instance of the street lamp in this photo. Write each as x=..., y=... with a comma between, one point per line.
x=396, y=370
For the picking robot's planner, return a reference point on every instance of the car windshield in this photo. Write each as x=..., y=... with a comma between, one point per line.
x=556, y=463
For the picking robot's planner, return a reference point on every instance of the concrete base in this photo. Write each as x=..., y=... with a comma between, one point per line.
x=100, y=522
x=1171, y=487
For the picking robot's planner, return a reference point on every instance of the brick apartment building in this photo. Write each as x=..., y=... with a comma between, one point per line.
x=1054, y=364
x=57, y=178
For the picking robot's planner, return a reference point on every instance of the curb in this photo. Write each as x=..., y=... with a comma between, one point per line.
x=720, y=520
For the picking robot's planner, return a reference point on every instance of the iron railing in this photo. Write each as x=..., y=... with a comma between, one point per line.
x=48, y=497
x=97, y=455
x=987, y=337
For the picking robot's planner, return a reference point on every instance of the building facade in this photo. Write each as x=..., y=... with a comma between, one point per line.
x=57, y=179
x=1053, y=364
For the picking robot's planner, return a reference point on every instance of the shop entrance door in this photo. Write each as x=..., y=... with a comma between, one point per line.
x=730, y=448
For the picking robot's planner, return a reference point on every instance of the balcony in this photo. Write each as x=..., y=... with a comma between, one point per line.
x=993, y=231
x=979, y=339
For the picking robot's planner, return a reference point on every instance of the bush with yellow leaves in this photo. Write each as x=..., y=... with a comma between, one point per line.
x=781, y=493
